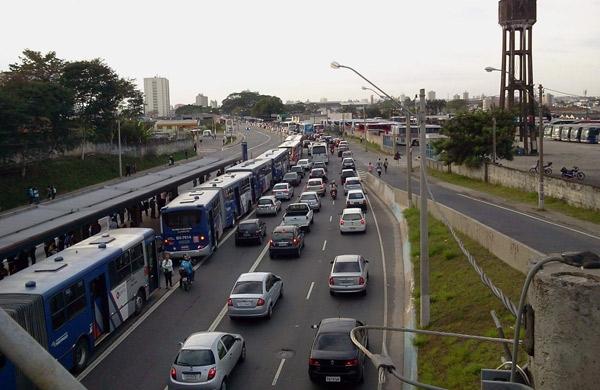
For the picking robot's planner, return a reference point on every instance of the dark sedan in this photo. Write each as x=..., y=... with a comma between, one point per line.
x=252, y=230
x=299, y=170
x=333, y=356
x=292, y=178
x=286, y=240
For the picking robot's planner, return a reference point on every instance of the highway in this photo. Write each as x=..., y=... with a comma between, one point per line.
x=278, y=349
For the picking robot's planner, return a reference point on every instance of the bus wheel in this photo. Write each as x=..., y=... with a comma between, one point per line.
x=80, y=355
x=140, y=301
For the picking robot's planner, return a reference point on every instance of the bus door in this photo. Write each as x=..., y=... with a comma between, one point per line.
x=99, y=308
x=152, y=270
x=238, y=202
x=211, y=228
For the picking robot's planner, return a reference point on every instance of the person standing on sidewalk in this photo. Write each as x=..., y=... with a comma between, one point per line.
x=385, y=165
x=167, y=268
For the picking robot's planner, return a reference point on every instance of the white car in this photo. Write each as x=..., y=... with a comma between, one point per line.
x=305, y=163
x=353, y=220
x=349, y=274
x=268, y=205
x=206, y=360
x=283, y=191
x=316, y=185
x=352, y=183
x=356, y=198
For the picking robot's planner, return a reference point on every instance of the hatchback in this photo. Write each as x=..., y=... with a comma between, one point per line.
x=352, y=183
x=286, y=239
x=254, y=294
x=342, y=149
x=353, y=220
x=292, y=178
x=312, y=199
x=283, y=191
x=250, y=230
x=268, y=205
x=348, y=163
x=316, y=185
x=356, y=198
x=349, y=274
x=206, y=360
x=347, y=154
x=333, y=356
x=298, y=169
x=346, y=173
x=318, y=173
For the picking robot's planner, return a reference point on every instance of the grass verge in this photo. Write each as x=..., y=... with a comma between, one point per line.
x=513, y=194
x=459, y=303
x=371, y=146
x=71, y=173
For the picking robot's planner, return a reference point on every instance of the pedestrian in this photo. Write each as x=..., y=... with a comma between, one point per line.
x=185, y=152
x=30, y=194
x=146, y=206
x=53, y=191
x=127, y=170
x=385, y=165
x=49, y=192
x=194, y=182
x=195, y=148
x=171, y=160
x=113, y=223
x=36, y=195
x=370, y=167
x=167, y=268
x=152, y=205
x=379, y=170
x=133, y=168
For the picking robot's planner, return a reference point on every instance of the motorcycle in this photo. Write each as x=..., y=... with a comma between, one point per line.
x=574, y=173
x=184, y=282
x=534, y=170
x=333, y=193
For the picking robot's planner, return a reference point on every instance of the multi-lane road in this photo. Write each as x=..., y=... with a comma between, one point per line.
x=140, y=356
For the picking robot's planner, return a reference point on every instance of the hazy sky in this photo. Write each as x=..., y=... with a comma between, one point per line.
x=284, y=47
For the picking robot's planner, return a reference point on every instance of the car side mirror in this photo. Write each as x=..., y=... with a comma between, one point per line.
x=314, y=326
x=331, y=262
x=180, y=343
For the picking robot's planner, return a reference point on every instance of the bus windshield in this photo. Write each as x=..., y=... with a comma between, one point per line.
x=319, y=149
x=181, y=219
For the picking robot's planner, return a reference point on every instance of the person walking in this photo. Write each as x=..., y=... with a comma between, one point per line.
x=385, y=165
x=49, y=192
x=36, y=195
x=167, y=268
x=370, y=167
x=171, y=160
x=379, y=170
x=152, y=205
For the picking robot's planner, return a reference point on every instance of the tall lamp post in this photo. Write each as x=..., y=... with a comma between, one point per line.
x=424, y=268
x=540, y=139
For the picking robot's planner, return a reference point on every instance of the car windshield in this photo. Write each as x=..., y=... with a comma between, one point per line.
x=307, y=197
x=334, y=342
x=302, y=162
x=283, y=235
x=248, y=287
x=296, y=168
x=267, y=202
x=290, y=176
x=314, y=182
x=181, y=219
x=352, y=217
x=353, y=181
x=247, y=227
x=195, y=357
x=346, y=266
x=347, y=174
x=356, y=195
x=280, y=187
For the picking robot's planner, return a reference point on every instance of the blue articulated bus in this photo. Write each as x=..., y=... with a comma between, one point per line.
x=262, y=174
x=236, y=191
x=192, y=223
x=73, y=300
x=279, y=162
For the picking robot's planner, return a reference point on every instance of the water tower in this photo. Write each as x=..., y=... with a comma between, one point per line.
x=517, y=18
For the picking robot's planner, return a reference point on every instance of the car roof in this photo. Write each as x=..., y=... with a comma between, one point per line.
x=346, y=258
x=250, y=221
x=291, y=173
x=309, y=193
x=280, y=184
x=202, y=340
x=352, y=210
x=355, y=192
x=271, y=197
x=317, y=169
x=352, y=178
x=346, y=170
x=284, y=228
x=347, y=158
x=253, y=276
x=315, y=179
x=336, y=325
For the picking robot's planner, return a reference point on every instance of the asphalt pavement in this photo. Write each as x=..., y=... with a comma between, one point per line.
x=278, y=349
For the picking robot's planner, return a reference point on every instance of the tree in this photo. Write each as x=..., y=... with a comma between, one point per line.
x=191, y=109
x=434, y=107
x=470, y=138
x=35, y=66
x=457, y=105
x=240, y=103
x=266, y=106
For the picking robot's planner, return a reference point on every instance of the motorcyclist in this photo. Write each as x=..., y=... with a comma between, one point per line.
x=186, y=265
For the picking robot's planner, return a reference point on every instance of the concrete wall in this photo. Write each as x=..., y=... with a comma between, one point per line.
x=510, y=251
x=575, y=194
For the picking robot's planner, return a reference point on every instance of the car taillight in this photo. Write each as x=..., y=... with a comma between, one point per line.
x=351, y=363
x=271, y=242
x=362, y=221
x=260, y=302
x=313, y=362
x=341, y=221
x=331, y=281
x=173, y=373
x=229, y=302
x=295, y=240
x=211, y=373
x=361, y=280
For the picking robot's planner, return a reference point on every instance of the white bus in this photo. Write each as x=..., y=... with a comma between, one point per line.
x=318, y=151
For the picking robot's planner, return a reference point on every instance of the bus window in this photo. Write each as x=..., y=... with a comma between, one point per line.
x=181, y=219
x=137, y=257
x=119, y=269
x=67, y=304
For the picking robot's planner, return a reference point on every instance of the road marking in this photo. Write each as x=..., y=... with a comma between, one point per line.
x=312, y=284
x=330, y=218
x=223, y=311
x=234, y=228
x=531, y=216
x=333, y=202
x=278, y=372
x=385, y=290
x=324, y=245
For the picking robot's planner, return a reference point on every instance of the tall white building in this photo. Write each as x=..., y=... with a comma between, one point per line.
x=548, y=99
x=214, y=104
x=465, y=95
x=431, y=95
x=201, y=100
x=156, y=97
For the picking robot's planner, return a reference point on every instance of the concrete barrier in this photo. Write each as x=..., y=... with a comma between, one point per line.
x=510, y=251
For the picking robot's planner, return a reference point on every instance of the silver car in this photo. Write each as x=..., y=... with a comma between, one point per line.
x=268, y=205
x=206, y=360
x=316, y=185
x=352, y=183
x=254, y=295
x=283, y=191
x=312, y=199
x=349, y=274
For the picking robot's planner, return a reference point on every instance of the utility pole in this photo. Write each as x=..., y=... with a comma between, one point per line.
x=424, y=269
x=120, y=158
x=408, y=158
x=541, y=152
x=365, y=125
x=494, y=155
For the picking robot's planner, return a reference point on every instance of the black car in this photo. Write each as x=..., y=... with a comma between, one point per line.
x=286, y=240
x=299, y=170
x=318, y=173
x=292, y=178
x=348, y=163
x=346, y=173
x=333, y=357
x=252, y=230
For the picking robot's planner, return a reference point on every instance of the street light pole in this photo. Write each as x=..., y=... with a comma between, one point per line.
x=120, y=158
x=424, y=249
x=494, y=139
x=365, y=127
x=541, y=152
x=408, y=159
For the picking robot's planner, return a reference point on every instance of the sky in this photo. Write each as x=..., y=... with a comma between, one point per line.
x=284, y=47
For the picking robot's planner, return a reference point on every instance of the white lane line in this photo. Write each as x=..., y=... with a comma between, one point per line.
x=531, y=216
x=333, y=202
x=312, y=284
x=278, y=372
x=223, y=311
x=385, y=283
x=330, y=218
x=324, y=245
x=234, y=228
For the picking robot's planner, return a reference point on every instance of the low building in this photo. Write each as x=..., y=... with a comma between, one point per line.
x=175, y=129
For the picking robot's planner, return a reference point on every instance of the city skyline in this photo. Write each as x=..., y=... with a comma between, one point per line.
x=456, y=41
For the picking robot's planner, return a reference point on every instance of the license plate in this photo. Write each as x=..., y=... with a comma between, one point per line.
x=185, y=247
x=244, y=304
x=333, y=379
x=190, y=377
x=282, y=244
x=246, y=234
